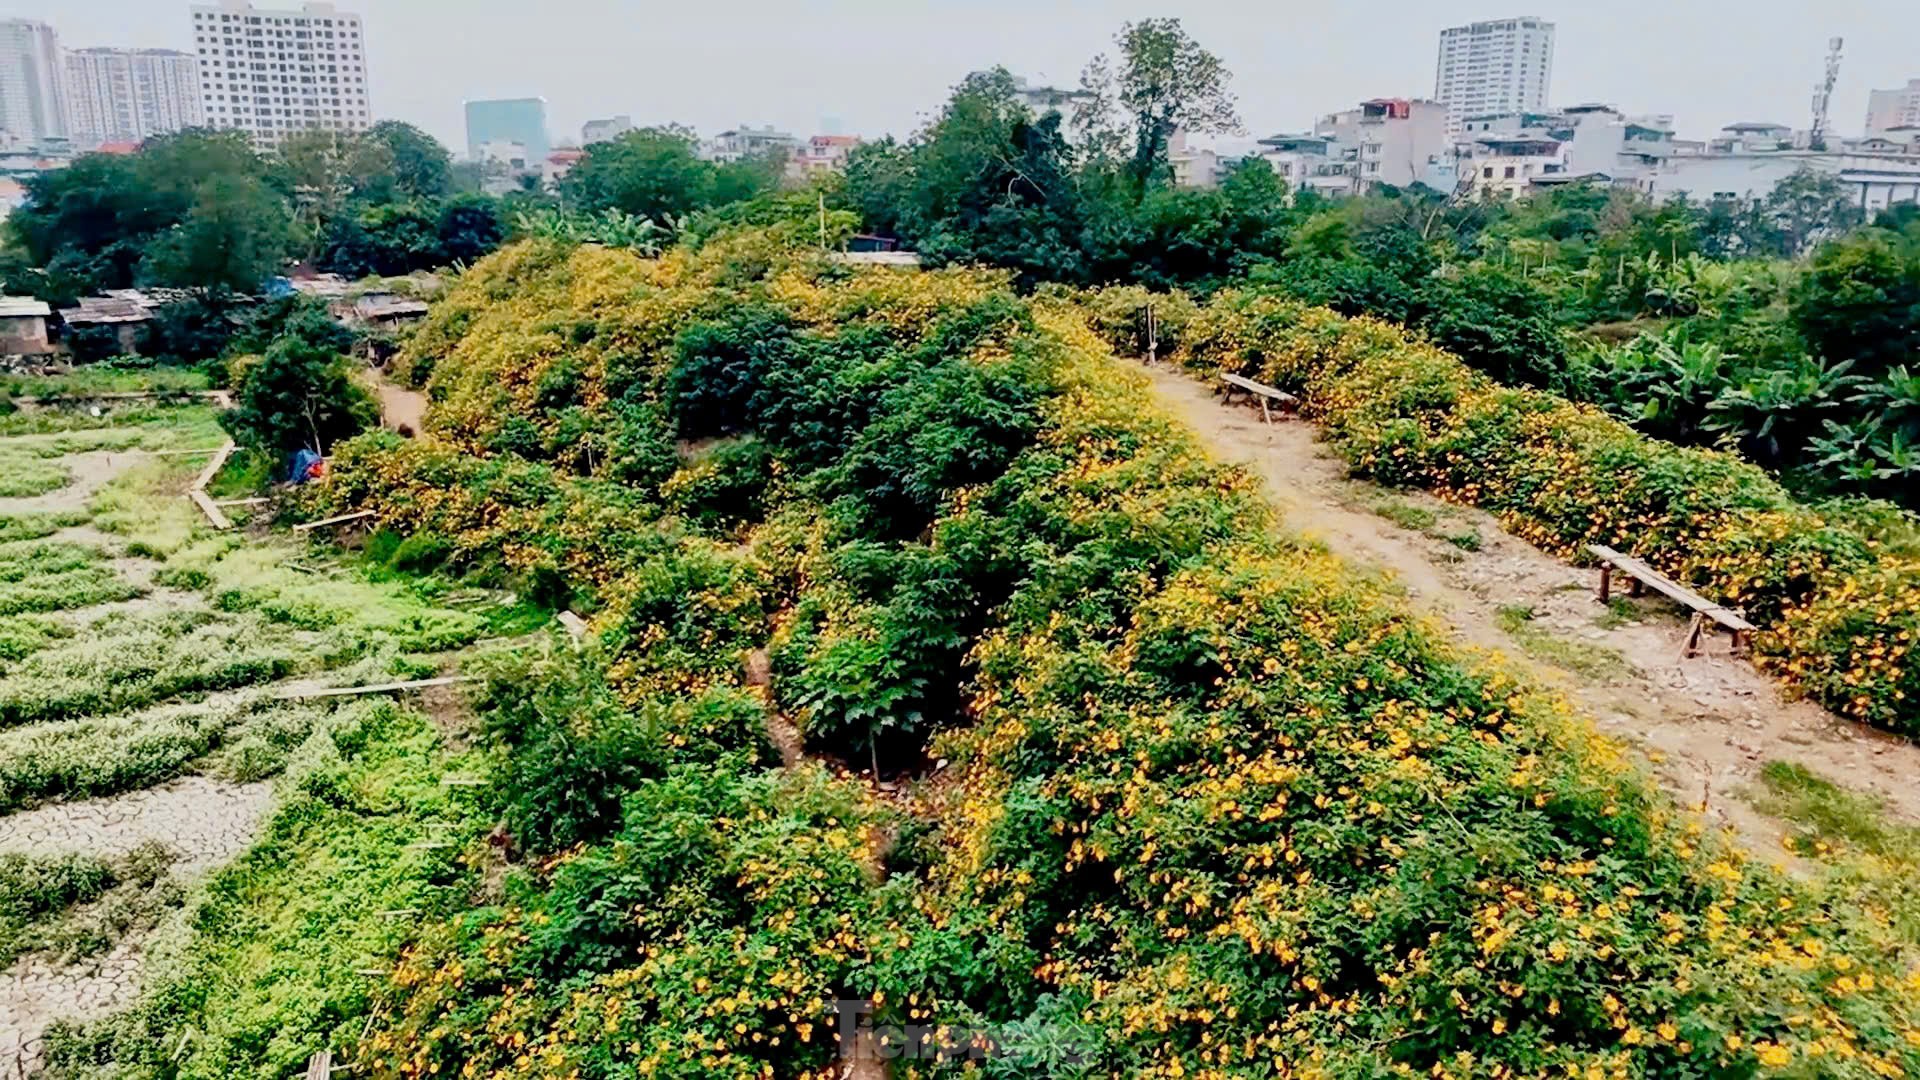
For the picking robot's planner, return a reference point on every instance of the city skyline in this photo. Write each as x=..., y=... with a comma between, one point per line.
x=714, y=68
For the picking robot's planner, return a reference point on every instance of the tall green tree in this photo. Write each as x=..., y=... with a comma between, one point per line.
x=419, y=167
x=1166, y=83
x=656, y=173
x=238, y=233
x=299, y=393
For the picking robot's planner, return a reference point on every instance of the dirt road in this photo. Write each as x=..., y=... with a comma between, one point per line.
x=1707, y=723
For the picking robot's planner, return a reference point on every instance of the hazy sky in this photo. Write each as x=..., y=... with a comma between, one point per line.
x=872, y=66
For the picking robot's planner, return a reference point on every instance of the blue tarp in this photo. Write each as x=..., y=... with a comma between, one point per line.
x=301, y=467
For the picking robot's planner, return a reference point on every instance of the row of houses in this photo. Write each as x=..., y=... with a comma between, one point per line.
x=1401, y=142
x=32, y=328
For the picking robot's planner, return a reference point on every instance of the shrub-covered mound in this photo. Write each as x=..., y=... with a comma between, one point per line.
x=1209, y=806
x=1840, y=611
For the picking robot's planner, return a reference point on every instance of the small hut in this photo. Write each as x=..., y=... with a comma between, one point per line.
x=23, y=326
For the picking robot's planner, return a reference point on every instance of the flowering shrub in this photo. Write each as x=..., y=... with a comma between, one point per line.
x=1215, y=805
x=1839, y=612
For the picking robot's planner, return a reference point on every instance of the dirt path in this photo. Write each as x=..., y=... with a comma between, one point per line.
x=90, y=471
x=1708, y=723
x=399, y=406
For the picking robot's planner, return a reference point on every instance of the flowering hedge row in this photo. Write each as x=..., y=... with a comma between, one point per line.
x=1840, y=610
x=1214, y=805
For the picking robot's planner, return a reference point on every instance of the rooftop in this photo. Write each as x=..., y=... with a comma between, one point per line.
x=23, y=307
x=106, y=309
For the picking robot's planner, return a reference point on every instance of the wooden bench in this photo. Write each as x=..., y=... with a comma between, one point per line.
x=1641, y=577
x=1231, y=382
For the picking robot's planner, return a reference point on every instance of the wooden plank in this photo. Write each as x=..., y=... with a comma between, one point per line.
x=357, y=515
x=320, y=1065
x=241, y=502
x=576, y=626
x=1671, y=589
x=1260, y=388
x=213, y=468
x=380, y=688
x=214, y=517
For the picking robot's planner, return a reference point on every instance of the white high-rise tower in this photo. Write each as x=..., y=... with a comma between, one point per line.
x=130, y=95
x=33, y=85
x=271, y=72
x=1501, y=66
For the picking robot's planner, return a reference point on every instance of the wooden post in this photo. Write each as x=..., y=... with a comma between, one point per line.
x=1635, y=587
x=1694, y=627
x=1606, y=582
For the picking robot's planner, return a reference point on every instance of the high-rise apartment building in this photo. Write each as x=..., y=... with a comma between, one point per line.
x=129, y=95
x=1889, y=109
x=1501, y=66
x=33, y=85
x=271, y=72
x=509, y=120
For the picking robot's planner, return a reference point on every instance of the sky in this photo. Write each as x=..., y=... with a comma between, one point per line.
x=870, y=67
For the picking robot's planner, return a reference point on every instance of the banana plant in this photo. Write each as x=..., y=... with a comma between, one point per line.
x=1771, y=414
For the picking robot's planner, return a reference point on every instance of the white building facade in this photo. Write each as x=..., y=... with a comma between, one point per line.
x=1873, y=181
x=1394, y=141
x=272, y=72
x=33, y=86
x=1890, y=109
x=607, y=130
x=746, y=141
x=1504, y=65
x=130, y=95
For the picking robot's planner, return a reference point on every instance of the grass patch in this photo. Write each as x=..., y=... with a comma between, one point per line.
x=1869, y=860
x=21, y=635
x=127, y=661
x=144, y=505
x=69, y=907
x=78, y=588
x=356, y=614
x=1465, y=541
x=247, y=473
x=1832, y=819
x=25, y=474
x=272, y=969
x=105, y=378
x=1586, y=659
x=93, y=756
x=1405, y=514
x=1618, y=612
x=17, y=527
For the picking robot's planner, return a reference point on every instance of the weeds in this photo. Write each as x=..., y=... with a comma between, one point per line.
x=16, y=527
x=27, y=475
x=1405, y=514
x=1870, y=860
x=273, y=970
x=1585, y=659
x=127, y=660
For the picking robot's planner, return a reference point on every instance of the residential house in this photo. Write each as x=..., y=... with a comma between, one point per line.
x=23, y=326
x=1505, y=166
x=737, y=144
x=125, y=316
x=820, y=154
x=1396, y=141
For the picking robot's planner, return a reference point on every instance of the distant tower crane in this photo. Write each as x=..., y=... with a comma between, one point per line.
x=1823, y=97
